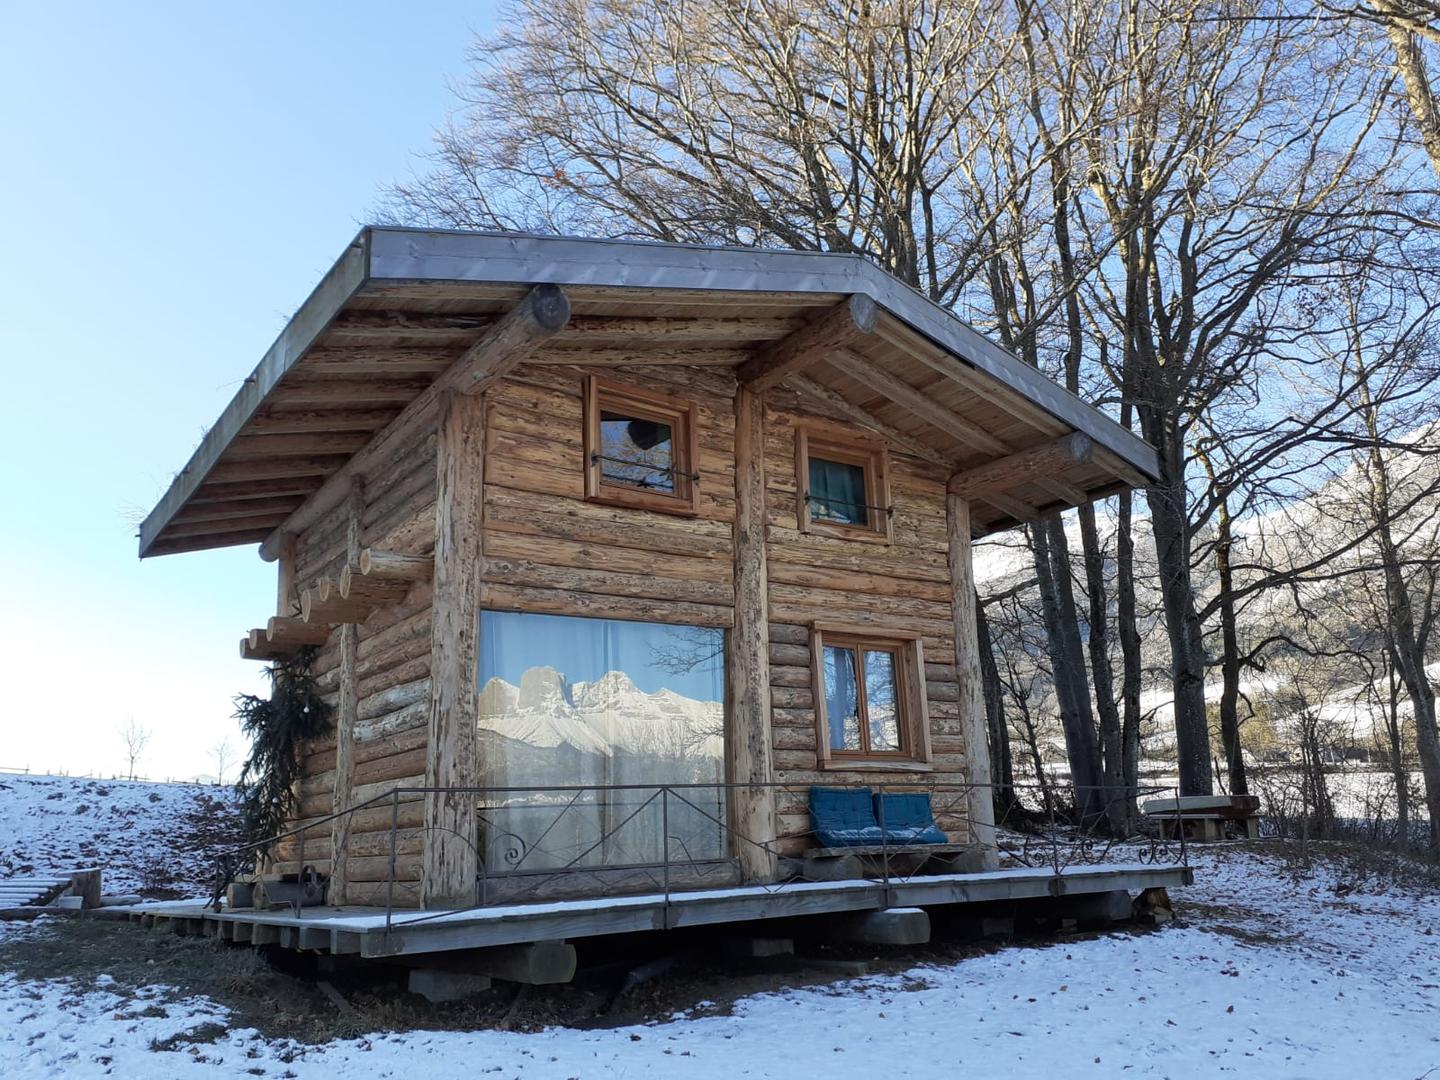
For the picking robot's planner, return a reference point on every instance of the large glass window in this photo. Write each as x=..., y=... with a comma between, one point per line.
x=610, y=710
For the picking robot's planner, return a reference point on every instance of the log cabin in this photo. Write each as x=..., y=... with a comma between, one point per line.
x=582, y=518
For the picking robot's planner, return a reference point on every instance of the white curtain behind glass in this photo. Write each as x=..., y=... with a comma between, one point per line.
x=572, y=702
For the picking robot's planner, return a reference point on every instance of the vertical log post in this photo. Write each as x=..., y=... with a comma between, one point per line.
x=967, y=674
x=451, y=864
x=348, y=712
x=748, y=672
x=285, y=598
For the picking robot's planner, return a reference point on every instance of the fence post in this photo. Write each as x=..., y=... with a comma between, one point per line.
x=390, y=874
x=300, y=876
x=665, y=846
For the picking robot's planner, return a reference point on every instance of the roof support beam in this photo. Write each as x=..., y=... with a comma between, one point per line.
x=1035, y=465
x=854, y=318
x=539, y=316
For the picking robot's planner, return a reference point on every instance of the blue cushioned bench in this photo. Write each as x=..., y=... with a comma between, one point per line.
x=857, y=822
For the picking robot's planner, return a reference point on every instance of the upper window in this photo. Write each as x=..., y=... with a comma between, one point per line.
x=870, y=698
x=843, y=486
x=639, y=448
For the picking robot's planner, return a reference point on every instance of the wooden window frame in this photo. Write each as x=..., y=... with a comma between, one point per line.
x=602, y=395
x=829, y=445
x=914, y=726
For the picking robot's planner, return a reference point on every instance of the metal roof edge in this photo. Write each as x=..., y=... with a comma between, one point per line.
x=319, y=309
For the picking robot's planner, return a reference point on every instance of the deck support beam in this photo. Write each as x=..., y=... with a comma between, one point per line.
x=981, y=810
x=450, y=864
x=748, y=672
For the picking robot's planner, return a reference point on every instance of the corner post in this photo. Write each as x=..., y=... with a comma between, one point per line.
x=967, y=674
x=748, y=671
x=348, y=713
x=450, y=864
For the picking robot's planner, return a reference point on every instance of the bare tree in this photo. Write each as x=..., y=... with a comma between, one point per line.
x=136, y=737
x=222, y=754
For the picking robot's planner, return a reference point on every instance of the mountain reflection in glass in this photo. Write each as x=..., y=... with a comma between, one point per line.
x=580, y=703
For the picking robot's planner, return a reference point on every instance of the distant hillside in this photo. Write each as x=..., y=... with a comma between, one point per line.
x=158, y=840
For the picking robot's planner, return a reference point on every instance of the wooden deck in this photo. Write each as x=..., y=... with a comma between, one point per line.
x=363, y=931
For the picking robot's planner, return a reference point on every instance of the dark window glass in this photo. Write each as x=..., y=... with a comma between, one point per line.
x=837, y=492
x=637, y=452
x=882, y=701
x=842, y=699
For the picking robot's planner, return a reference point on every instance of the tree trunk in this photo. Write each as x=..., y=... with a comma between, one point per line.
x=1129, y=633
x=1057, y=597
x=1112, y=753
x=1397, y=750
x=1410, y=63
x=1167, y=500
x=1002, y=767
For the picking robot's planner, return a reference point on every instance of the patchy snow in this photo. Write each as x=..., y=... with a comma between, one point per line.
x=1279, y=973
x=150, y=837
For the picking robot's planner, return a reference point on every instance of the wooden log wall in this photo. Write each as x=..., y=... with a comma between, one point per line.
x=392, y=687
x=547, y=550
x=903, y=587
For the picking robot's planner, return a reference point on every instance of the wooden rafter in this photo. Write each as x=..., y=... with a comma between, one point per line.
x=843, y=405
x=915, y=400
x=854, y=318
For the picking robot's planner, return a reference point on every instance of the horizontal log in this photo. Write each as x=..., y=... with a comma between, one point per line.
x=381, y=591
x=560, y=602
x=1023, y=467
x=396, y=565
x=396, y=697
x=288, y=631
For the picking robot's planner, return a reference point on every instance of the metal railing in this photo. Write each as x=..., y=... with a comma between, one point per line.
x=575, y=844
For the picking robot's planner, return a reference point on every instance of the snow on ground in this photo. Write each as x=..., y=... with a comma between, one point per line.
x=1271, y=973
x=146, y=837
x=1273, y=977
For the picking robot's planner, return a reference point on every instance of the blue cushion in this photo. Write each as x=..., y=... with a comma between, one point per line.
x=908, y=819
x=844, y=817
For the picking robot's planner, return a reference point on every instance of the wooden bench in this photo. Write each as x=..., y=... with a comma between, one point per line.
x=1205, y=817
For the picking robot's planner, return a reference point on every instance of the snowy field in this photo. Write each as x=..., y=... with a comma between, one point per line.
x=157, y=839
x=1272, y=972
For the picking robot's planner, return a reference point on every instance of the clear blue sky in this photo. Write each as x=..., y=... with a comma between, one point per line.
x=176, y=178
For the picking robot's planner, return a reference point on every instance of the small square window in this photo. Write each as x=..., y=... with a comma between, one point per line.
x=639, y=449
x=844, y=489
x=869, y=698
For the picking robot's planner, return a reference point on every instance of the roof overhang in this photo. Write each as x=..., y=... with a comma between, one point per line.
x=405, y=279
